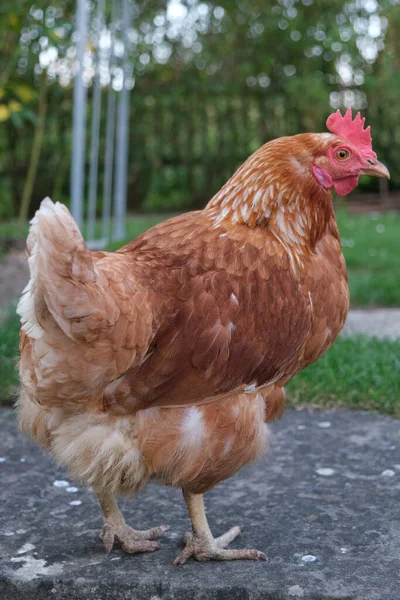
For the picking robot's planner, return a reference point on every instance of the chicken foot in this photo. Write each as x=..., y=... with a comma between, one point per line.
x=202, y=545
x=116, y=529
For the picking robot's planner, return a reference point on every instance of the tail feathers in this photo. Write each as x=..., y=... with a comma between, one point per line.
x=63, y=278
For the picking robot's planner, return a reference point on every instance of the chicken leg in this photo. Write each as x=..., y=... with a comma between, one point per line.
x=116, y=529
x=202, y=545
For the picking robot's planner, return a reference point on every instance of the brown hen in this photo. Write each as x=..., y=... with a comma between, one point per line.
x=167, y=358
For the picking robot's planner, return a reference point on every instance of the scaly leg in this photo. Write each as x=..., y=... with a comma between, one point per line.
x=202, y=545
x=116, y=529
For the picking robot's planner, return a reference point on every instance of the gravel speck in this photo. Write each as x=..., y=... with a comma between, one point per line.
x=309, y=558
x=61, y=483
x=326, y=472
x=388, y=473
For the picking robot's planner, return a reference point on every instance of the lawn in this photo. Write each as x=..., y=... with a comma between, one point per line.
x=371, y=247
x=358, y=372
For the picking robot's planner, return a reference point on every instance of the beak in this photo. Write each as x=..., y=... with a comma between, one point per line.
x=375, y=168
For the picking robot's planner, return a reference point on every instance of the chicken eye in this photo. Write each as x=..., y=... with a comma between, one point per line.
x=342, y=154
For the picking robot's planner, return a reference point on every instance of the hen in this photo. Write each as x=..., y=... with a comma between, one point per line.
x=166, y=359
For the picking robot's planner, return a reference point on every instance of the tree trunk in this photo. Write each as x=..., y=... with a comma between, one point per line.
x=36, y=150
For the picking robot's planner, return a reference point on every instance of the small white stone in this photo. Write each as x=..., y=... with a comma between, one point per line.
x=324, y=424
x=26, y=548
x=72, y=490
x=308, y=558
x=301, y=427
x=388, y=473
x=326, y=472
x=343, y=550
x=116, y=558
x=2, y=459
x=60, y=483
x=22, y=459
x=75, y=503
x=8, y=532
x=21, y=531
x=296, y=590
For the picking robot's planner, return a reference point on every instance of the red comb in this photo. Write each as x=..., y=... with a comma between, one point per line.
x=351, y=130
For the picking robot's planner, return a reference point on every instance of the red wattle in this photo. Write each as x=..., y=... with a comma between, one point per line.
x=344, y=186
x=322, y=177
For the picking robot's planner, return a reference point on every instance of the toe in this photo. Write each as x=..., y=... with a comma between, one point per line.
x=187, y=541
x=224, y=554
x=157, y=532
x=107, y=537
x=183, y=556
x=187, y=538
x=149, y=534
x=228, y=537
x=132, y=547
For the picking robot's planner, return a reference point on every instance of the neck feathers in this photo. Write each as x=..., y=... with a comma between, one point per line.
x=275, y=190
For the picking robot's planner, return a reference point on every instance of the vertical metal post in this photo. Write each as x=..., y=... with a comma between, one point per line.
x=121, y=158
x=109, y=159
x=78, y=140
x=95, y=129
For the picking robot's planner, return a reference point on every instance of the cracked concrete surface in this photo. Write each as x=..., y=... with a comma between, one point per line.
x=324, y=505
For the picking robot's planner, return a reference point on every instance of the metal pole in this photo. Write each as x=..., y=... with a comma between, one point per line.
x=95, y=131
x=121, y=159
x=78, y=139
x=109, y=159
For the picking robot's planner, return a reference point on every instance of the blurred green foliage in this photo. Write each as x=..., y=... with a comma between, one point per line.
x=212, y=81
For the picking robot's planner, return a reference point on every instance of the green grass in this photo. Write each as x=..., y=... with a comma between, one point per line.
x=357, y=372
x=371, y=247
x=9, y=341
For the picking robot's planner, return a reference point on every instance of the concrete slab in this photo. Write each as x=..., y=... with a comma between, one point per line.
x=379, y=322
x=325, y=506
